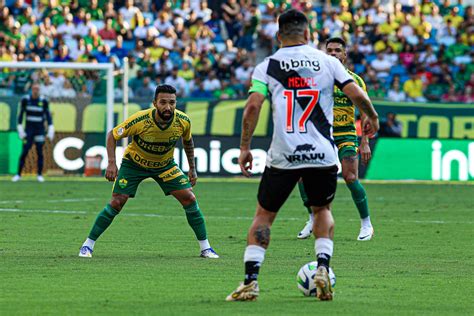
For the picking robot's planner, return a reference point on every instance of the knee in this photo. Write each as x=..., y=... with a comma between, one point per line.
x=118, y=201
x=188, y=199
x=349, y=177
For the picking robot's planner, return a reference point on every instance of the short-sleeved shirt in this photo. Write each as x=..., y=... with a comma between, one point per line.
x=152, y=146
x=344, y=110
x=300, y=80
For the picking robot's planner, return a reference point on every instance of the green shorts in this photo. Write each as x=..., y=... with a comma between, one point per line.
x=347, y=145
x=170, y=178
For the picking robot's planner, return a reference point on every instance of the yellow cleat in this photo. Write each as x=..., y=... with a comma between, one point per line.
x=247, y=292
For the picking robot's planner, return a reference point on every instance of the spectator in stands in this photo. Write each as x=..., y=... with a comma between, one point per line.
x=211, y=83
x=128, y=11
x=451, y=96
x=232, y=17
x=395, y=93
x=435, y=90
x=178, y=82
x=145, y=90
x=381, y=66
x=200, y=91
x=390, y=127
x=413, y=88
x=62, y=55
x=108, y=32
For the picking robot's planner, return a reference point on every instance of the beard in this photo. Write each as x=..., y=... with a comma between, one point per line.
x=165, y=115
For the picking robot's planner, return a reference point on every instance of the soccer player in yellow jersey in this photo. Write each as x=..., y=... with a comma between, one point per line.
x=345, y=138
x=154, y=135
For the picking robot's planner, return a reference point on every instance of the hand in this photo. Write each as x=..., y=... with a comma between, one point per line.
x=50, y=134
x=192, y=175
x=111, y=171
x=21, y=131
x=245, y=161
x=371, y=126
x=365, y=153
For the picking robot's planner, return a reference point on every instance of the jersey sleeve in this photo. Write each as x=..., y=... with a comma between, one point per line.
x=187, y=130
x=260, y=79
x=129, y=127
x=360, y=82
x=47, y=113
x=341, y=76
x=22, y=110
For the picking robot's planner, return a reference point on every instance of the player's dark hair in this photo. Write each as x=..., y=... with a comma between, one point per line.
x=337, y=40
x=292, y=22
x=164, y=88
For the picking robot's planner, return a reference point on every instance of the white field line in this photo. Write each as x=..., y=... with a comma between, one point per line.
x=51, y=201
x=247, y=218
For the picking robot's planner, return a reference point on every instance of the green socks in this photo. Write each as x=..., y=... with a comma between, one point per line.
x=103, y=220
x=304, y=197
x=196, y=220
x=360, y=198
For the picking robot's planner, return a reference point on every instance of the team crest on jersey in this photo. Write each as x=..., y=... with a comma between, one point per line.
x=183, y=181
x=123, y=183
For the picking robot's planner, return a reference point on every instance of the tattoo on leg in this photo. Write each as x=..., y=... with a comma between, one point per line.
x=350, y=158
x=262, y=235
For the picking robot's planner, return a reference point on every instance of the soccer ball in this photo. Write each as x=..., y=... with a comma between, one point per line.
x=305, y=278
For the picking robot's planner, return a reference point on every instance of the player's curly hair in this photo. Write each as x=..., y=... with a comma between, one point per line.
x=164, y=88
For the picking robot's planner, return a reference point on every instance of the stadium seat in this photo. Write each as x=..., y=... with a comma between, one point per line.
x=370, y=58
x=398, y=70
x=359, y=68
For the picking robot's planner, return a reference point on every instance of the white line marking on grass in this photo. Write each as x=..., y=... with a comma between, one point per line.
x=247, y=218
x=11, y=202
x=51, y=201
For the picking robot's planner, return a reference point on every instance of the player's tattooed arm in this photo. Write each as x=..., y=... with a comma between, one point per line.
x=360, y=98
x=262, y=235
x=250, y=118
x=188, y=146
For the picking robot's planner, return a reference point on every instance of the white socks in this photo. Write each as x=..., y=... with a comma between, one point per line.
x=365, y=222
x=323, y=245
x=311, y=217
x=89, y=243
x=204, y=244
x=254, y=253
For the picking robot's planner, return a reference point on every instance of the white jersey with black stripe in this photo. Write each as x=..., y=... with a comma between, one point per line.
x=300, y=80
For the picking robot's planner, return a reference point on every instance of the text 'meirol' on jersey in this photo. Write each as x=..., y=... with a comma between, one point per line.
x=300, y=80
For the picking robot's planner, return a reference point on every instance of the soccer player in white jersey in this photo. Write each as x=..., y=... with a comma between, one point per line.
x=300, y=80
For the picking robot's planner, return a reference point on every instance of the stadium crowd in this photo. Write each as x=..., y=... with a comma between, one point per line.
x=408, y=50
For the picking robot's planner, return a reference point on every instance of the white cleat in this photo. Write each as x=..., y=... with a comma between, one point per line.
x=40, y=179
x=244, y=293
x=209, y=253
x=16, y=178
x=306, y=231
x=85, y=252
x=366, y=233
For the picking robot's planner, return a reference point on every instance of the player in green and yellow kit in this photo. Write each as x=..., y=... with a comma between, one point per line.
x=154, y=135
x=345, y=137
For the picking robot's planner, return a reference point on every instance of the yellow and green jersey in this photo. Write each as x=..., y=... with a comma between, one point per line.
x=344, y=110
x=152, y=146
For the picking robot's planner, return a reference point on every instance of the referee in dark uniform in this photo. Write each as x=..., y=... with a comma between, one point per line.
x=36, y=110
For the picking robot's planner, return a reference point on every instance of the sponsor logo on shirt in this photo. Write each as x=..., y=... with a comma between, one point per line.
x=304, y=153
x=295, y=64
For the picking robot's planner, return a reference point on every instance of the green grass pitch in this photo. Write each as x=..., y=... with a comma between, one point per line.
x=421, y=260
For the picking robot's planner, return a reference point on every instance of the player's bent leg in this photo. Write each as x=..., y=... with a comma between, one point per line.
x=102, y=222
x=324, y=233
x=308, y=227
x=350, y=173
x=196, y=220
x=258, y=240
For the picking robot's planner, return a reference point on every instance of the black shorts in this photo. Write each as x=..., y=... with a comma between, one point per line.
x=277, y=184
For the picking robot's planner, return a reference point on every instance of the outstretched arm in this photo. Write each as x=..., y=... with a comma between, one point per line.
x=361, y=100
x=249, y=122
x=188, y=146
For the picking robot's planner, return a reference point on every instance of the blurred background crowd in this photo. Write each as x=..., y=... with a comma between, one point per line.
x=408, y=50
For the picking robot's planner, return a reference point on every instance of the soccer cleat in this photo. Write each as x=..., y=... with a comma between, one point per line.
x=209, y=253
x=16, y=178
x=85, y=252
x=323, y=284
x=306, y=231
x=40, y=179
x=244, y=292
x=366, y=233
